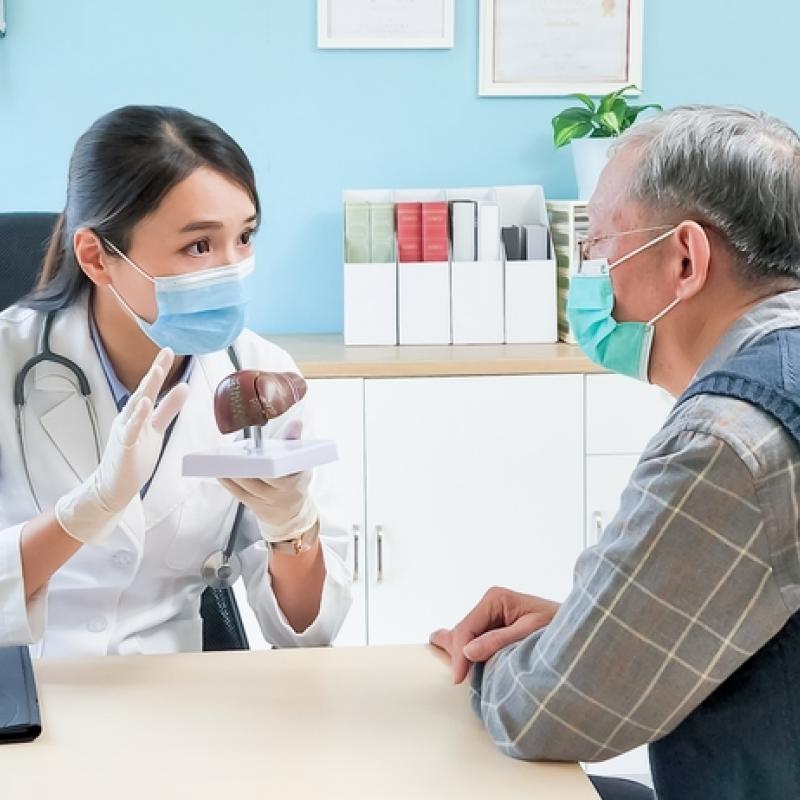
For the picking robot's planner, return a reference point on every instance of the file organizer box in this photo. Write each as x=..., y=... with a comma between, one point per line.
x=531, y=310
x=477, y=296
x=423, y=288
x=370, y=290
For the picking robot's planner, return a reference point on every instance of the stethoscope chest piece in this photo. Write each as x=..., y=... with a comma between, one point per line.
x=221, y=571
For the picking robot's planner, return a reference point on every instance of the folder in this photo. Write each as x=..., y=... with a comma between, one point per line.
x=19, y=704
x=514, y=242
x=488, y=232
x=356, y=233
x=465, y=230
x=435, y=233
x=381, y=228
x=537, y=242
x=409, y=231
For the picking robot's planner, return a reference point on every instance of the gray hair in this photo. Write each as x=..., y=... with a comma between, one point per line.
x=736, y=169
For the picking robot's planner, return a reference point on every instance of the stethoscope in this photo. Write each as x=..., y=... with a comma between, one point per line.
x=222, y=568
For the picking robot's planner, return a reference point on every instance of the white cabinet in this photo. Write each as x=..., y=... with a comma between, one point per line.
x=470, y=482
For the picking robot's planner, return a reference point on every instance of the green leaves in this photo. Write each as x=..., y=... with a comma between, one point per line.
x=572, y=123
x=633, y=112
x=610, y=116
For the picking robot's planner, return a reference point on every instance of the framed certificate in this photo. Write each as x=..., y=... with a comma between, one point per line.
x=385, y=23
x=559, y=47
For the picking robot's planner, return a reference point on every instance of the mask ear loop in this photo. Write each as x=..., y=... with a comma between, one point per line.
x=134, y=316
x=641, y=249
x=123, y=256
x=666, y=311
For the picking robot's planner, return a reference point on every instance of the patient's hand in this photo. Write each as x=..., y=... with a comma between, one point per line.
x=502, y=617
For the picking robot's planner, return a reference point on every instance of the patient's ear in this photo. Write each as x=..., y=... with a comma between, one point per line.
x=91, y=256
x=695, y=250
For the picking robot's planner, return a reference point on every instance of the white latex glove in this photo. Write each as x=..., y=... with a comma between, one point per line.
x=282, y=506
x=91, y=511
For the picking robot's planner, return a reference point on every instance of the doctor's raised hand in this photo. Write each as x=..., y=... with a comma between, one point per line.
x=90, y=511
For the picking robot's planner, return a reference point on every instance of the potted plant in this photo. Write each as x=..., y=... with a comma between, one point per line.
x=590, y=129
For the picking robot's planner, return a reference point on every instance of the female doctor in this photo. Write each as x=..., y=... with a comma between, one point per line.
x=102, y=541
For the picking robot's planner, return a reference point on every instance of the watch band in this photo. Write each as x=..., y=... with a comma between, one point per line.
x=299, y=545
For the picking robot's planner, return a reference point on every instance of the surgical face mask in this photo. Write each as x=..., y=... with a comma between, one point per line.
x=622, y=347
x=199, y=312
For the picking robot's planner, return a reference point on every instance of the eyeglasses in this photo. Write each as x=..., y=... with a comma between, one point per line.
x=584, y=245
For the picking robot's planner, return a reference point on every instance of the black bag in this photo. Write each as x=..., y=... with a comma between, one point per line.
x=19, y=705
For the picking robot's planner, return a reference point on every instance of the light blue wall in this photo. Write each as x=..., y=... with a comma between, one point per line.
x=316, y=122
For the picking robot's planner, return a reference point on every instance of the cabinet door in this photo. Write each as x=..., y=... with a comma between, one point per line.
x=622, y=414
x=338, y=412
x=471, y=482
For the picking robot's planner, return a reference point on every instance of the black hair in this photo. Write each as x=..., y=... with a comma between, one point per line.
x=119, y=172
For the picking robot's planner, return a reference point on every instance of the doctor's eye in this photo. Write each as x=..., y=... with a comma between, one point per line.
x=247, y=237
x=199, y=248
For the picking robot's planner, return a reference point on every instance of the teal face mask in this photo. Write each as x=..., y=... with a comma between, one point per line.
x=622, y=347
x=199, y=312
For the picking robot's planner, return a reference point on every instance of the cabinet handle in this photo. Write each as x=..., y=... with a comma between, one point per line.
x=356, y=539
x=597, y=518
x=379, y=537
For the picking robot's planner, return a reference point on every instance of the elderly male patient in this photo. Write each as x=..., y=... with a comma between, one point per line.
x=681, y=628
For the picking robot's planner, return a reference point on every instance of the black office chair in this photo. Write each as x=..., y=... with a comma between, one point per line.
x=24, y=238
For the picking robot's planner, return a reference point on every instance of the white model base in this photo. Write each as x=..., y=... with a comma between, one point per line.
x=275, y=459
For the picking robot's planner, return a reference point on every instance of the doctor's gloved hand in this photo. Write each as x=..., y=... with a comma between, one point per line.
x=282, y=506
x=90, y=511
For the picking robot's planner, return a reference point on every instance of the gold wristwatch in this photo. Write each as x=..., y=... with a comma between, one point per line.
x=299, y=545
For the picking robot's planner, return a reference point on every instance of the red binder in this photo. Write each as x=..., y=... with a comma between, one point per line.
x=409, y=231
x=435, y=232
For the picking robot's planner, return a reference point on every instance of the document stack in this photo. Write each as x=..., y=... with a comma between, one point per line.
x=569, y=224
x=449, y=266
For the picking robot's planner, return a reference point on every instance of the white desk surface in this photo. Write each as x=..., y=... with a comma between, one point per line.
x=376, y=722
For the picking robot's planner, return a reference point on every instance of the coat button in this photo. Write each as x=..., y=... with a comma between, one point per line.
x=97, y=625
x=122, y=558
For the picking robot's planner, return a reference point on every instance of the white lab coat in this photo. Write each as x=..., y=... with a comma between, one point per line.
x=139, y=591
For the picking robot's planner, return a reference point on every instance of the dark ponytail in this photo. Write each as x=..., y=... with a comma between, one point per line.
x=54, y=257
x=120, y=171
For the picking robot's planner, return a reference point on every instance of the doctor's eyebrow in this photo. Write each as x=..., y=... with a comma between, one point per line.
x=201, y=225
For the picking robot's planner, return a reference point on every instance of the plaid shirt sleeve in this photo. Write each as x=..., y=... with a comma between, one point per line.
x=678, y=593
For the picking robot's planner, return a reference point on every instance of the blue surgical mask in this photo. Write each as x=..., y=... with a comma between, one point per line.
x=622, y=347
x=199, y=312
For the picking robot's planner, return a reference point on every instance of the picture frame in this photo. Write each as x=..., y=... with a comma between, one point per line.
x=385, y=24
x=560, y=47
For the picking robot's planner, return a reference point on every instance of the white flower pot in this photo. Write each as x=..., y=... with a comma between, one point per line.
x=589, y=156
